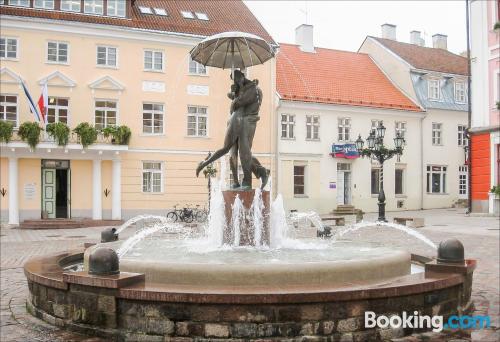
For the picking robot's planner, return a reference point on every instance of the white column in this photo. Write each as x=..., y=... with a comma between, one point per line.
x=13, y=191
x=116, y=191
x=96, y=190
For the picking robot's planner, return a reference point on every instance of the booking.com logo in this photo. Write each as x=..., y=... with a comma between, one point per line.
x=417, y=321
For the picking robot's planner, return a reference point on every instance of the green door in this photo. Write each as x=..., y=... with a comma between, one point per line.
x=49, y=192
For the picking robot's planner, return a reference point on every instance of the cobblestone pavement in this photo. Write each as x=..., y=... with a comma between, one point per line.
x=480, y=236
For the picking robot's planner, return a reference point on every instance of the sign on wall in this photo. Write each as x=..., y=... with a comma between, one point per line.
x=197, y=90
x=29, y=191
x=347, y=151
x=153, y=86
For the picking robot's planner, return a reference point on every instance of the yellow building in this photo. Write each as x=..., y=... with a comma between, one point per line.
x=116, y=62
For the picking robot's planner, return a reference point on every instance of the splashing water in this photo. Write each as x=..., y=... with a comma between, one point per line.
x=216, y=216
x=128, y=244
x=363, y=225
x=135, y=219
x=236, y=219
x=312, y=216
x=279, y=226
x=256, y=217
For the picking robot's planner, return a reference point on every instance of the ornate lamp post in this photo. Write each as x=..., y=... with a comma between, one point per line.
x=377, y=151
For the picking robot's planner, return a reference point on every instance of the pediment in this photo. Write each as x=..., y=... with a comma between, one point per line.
x=106, y=83
x=9, y=76
x=57, y=79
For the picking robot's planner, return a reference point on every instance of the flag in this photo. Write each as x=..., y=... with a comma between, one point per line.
x=43, y=102
x=31, y=103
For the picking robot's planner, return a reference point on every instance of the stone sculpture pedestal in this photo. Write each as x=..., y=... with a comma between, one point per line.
x=247, y=231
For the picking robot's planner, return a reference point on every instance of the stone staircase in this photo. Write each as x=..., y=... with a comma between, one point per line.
x=67, y=223
x=347, y=209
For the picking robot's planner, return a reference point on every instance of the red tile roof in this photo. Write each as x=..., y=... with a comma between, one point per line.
x=223, y=16
x=427, y=58
x=336, y=77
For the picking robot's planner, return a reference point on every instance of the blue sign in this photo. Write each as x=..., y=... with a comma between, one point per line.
x=348, y=151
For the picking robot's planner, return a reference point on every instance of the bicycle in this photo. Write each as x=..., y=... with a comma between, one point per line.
x=201, y=215
x=185, y=214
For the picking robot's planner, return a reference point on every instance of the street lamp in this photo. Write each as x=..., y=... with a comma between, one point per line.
x=379, y=152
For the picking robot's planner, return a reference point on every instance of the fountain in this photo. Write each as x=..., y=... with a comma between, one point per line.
x=245, y=277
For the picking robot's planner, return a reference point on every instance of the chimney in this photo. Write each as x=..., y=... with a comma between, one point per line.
x=304, y=37
x=389, y=31
x=439, y=41
x=416, y=39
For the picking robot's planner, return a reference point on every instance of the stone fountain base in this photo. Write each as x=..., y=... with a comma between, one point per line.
x=126, y=307
x=247, y=231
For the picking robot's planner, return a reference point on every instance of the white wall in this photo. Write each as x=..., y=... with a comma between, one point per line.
x=322, y=168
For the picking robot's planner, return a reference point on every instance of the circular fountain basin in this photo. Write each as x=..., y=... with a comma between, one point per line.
x=177, y=262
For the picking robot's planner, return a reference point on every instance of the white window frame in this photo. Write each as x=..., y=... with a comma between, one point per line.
x=305, y=166
x=198, y=67
x=312, y=127
x=160, y=11
x=197, y=115
x=145, y=10
x=57, y=61
x=442, y=179
x=456, y=91
x=19, y=3
x=93, y=4
x=152, y=172
x=462, y=135
x=43, y=4
x=431, y=88
x=344, y=129
x=187, y=15
x=437, y=139
x=116, y=12
x=154, y=112
x=57, y=108
x=153, y=52
x=2, y=115
x=16, y=58
x=107, y=65
x=71, y=9
x=403, y=180
x=117, y=109
x=201, y=16
x=463, y=174
x=288, y=126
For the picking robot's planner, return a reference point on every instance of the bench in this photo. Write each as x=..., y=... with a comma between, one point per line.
x=339, y=220
x=414, y=222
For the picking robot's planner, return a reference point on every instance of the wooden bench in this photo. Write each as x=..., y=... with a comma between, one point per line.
x=414, y=222
x=339, y=220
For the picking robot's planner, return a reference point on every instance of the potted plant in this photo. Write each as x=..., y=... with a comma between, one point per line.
x=87, y=134
x=6, y=131
x=496, y=26
x=120, y=134
x=30, y=132
x=59, y=131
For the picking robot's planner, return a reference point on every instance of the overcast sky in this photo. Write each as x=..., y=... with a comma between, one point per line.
x=343, y=25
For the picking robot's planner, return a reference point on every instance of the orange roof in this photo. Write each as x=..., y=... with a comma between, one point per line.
x=336, y=77
x=223, y=16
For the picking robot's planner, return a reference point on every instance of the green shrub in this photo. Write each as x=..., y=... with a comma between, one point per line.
x=120, y=134
x=59, y=131
x=495, y=190
x=30, y=132
x=86, y=133
x=496, y=26
x=6, y=130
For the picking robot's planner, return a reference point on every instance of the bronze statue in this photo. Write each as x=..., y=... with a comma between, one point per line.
x=246, y=99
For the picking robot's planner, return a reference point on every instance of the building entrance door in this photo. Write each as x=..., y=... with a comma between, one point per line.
x=343, y=183
x=56, y=188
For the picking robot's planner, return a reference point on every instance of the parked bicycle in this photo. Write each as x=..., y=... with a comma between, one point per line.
x=185, y=214
x=201, y=215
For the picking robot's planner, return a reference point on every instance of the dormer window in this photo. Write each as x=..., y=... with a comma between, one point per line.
x=434, y=89
x=93, y=6
x=460, y=93
x=46, y=4
x=145, y=10
x=116, y=8
x=71, y=5
x=187, y=14
x=160, y=11
x=201, y=16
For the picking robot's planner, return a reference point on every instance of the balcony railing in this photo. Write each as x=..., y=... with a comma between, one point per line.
x=73, y=138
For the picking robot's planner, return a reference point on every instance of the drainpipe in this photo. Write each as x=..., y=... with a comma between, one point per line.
x=469, y=111
x=422, y=174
